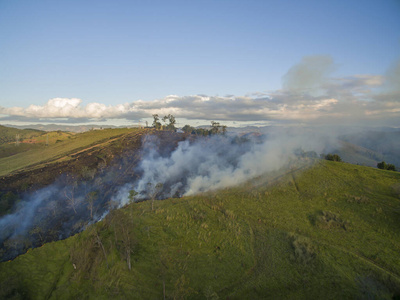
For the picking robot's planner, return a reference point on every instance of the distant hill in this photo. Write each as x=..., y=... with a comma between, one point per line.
x=359, y=155
x=9, y=135
x=51, y=147
x=385, y=143
x=67, y=128
x=322, y=231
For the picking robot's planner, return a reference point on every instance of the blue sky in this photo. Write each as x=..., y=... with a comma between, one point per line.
x=118, y=52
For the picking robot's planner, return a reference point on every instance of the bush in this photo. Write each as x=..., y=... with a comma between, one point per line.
x=304, y=250
x=333, y=157
x=384, y=166
x=391, y=167
x=329, y=220
x=188, y=129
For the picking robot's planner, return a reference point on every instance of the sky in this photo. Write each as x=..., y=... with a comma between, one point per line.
x=239, y=62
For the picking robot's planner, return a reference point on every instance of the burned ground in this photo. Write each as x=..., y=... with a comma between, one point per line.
x=92, y=158
x=58, y=198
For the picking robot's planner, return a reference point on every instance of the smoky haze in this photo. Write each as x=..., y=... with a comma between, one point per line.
x=163, y=169
x=311, y=73
x=220, y=162
x=200, y=165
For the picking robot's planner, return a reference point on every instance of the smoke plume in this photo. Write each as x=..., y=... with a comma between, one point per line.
x=192, y=166
x=219, y=162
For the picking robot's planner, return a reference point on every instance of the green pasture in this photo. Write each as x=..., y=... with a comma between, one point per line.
x=325, y=230
x=52, y=146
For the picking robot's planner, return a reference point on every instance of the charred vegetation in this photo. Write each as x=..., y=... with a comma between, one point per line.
x=60, y=199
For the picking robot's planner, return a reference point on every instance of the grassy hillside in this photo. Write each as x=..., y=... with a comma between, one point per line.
x=60, y=146
x=9, y=135
x=377, y=145
x=330, y=230
x=358, y=155
x=33, y=143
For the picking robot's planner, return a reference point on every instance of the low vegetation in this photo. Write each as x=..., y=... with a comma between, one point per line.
x=384, y=166
x=325, y=230
x=332, y=157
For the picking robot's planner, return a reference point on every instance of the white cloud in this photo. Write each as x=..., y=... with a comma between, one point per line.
x=71, y=108
x=309, y=95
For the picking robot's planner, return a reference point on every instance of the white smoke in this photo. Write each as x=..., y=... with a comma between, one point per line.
x=166, y=170
x=215, y=163
x=21, y=220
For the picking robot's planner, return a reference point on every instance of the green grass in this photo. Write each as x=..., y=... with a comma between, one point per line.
x=359, y=155
x=35, y=143
x=9, y=135
x=328, y=231
x=60, y=145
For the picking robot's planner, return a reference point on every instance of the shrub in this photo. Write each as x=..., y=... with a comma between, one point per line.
x=333, y=157
x=384, y=166
x=329, y=220
x=304, y=250
x=391, y=167
x=357, y=199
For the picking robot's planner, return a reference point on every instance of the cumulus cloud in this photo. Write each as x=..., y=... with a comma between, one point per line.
x=309, y=94
x=72, y=108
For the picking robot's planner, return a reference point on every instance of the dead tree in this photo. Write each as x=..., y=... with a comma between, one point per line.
x=69, y=194
x=98, y=241
x=90, y=201
x=127, y=243
x=154, y=192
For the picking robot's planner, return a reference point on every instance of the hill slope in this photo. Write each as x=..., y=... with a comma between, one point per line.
x=61, y=146
x=8, y=134
x=324, y=231
x=370, y=147
x=53, y=199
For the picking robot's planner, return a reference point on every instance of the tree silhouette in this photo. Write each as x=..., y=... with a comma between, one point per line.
x=384, y=166
x=156, y=123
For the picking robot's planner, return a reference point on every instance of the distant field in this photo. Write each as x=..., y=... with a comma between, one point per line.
x=325, y=231
x=60, y=144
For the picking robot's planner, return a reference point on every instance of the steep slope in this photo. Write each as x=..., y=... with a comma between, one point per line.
x=326, y=230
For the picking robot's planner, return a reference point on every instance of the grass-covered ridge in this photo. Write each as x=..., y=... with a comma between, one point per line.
x=8, y=134
x=330, y=230
x=53, y=146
